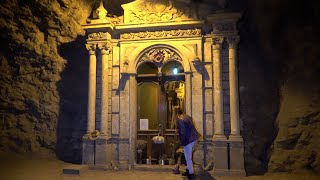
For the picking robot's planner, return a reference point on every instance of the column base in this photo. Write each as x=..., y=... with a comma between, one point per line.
x=220, y=155
x=236, y=156
x=237, y=173
x=87, y=150
x=220, y=172
x=103, y=153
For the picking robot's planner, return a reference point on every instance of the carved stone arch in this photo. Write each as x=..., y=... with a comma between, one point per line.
x=153, y=53
x=144, y=62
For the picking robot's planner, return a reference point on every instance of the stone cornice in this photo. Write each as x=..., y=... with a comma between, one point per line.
x=161, y=34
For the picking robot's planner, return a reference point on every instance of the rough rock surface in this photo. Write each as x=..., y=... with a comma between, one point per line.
x=30, y=65
x=288, y=34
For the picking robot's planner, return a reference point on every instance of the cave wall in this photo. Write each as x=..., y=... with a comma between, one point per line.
x=287, y=34
x=33, y=34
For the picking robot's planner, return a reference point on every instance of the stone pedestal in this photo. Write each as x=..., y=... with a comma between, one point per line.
x=236, y=156
x=87, y=151
x=103, y=153
x=220, y=156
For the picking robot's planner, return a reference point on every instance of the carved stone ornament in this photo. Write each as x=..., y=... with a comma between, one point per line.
x=152, y=11
x=91, y=48
x=223, y=27
x=160, y=55
x=162, y=34
x=98, y=35
x=101, y=11
x=106, y=48
x=217, y=42
x=233, y=41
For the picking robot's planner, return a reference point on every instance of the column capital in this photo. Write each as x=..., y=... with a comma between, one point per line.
x=233, y=41
x=91, y=48
x=106, y=48
x=217, y=43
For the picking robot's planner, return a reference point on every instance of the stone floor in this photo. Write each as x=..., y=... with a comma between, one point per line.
x=18, y=168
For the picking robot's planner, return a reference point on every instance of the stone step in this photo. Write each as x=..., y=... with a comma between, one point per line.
x=75, y=169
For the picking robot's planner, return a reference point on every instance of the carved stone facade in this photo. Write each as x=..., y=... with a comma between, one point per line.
x=157, y=32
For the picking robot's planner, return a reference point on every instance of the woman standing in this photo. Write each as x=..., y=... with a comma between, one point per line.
x=188, y=136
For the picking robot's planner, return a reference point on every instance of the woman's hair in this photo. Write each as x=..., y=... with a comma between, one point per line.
x=179, y=112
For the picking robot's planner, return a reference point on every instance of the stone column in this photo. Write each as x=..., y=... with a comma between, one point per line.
x=103, y=146
x=92, y=87
x=87, y=144
x=235, y=139
x=220, y=145
x=233, y=80
x=217, y=88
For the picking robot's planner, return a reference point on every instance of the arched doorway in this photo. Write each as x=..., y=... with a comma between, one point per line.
x=161, y=86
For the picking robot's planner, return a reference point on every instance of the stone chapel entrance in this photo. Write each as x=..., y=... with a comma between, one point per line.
x=160, y=88
x=159, y=54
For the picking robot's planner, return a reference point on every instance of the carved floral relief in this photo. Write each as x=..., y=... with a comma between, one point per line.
x=160, y=55
x=162, y=34
x=151, y=11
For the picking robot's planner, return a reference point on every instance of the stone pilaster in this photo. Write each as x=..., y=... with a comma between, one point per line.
x=133, y=94
x=103, y=146
x=188, y=89
x=105, y=51
x=235, y=139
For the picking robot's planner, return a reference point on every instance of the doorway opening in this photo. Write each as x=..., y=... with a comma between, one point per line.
x=160, y=89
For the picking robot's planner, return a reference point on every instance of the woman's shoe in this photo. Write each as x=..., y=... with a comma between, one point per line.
x=186, y=173
x=191, y=177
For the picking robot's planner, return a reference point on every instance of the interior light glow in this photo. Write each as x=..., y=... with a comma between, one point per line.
x=175, y=70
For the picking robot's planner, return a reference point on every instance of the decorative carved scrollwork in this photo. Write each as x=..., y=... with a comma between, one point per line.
x=160, y=55
x=106, y=48
x=151, y=11
x=233, y=41
x=217, y=42
x=98, y=35
x=223, y=27
x=91, y=48
x=162, y=34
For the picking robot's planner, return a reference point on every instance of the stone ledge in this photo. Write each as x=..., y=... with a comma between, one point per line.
x=75, y=169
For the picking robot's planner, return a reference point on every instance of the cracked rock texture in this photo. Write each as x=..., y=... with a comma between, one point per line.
x=31, y=66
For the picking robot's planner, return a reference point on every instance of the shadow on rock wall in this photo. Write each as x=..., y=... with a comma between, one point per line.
x=73, y=90
x=259, y=97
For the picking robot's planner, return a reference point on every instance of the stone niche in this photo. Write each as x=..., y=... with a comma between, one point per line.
x=159, y=32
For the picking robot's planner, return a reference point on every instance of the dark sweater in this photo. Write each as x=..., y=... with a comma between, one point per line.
x=187, y=131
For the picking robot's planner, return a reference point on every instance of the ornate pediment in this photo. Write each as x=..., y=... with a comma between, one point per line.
x=154, y=11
